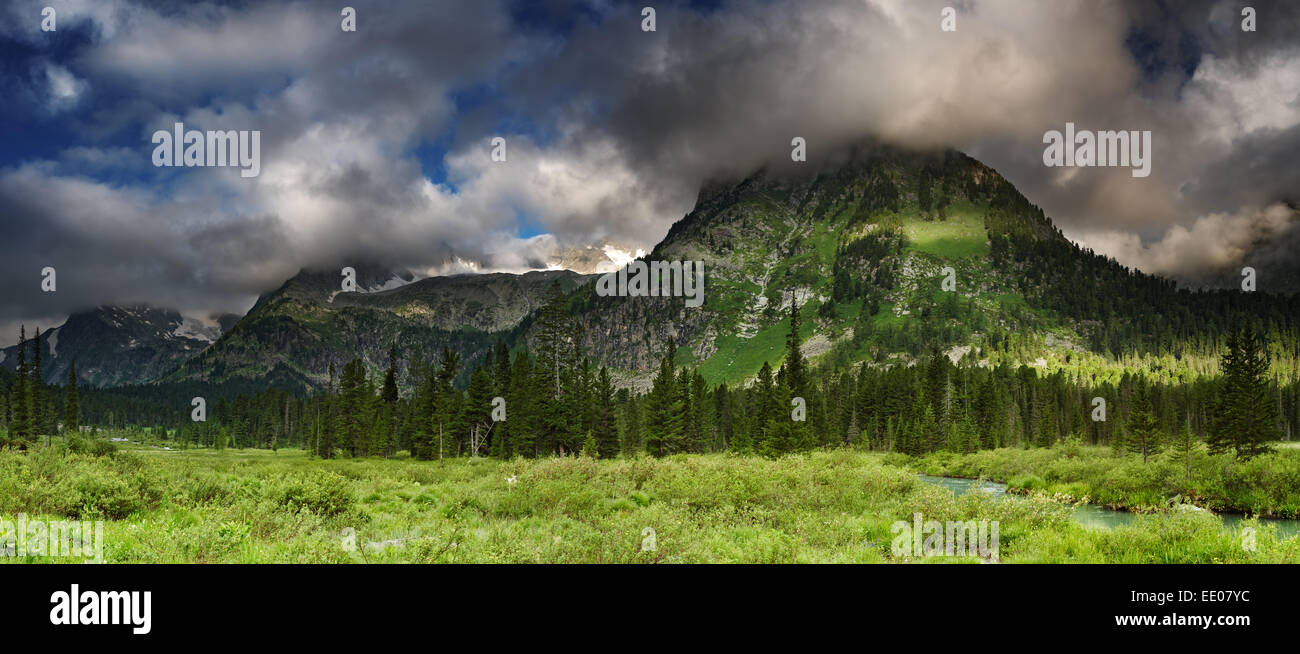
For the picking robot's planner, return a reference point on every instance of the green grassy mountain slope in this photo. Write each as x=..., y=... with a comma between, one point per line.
x=864, y=247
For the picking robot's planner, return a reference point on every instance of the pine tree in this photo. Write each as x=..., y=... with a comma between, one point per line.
x=353, y=405
x=520, y=431
x=690, y=416
x=477, y=412
x=37, y=390
x=1246, y=416
x=1143, y=428
x=501, y=371
x=926, y=433
x=21, y=397
x=327, y=428
x=71, y=403
x=782, y=435
x=1118, y=440
x=551, y=347
x=385, y=410
x=1186, y=446
x=794, y=370
x=444, y=419
x=605, y=429
x=633, y=443
x=660, y=433
x=723, y=423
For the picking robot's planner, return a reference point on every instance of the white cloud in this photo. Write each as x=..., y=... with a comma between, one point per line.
x=64, y=90
x=1213, y=244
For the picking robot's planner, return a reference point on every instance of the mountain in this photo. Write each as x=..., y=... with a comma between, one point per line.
x=115, y=346
x=856, y=244
x=292, y=335
x=888, y=254
x=589, y=259
x=864, y=246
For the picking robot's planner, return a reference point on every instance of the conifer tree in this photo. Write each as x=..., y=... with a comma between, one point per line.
x=633, y=443
x=477, y=413
x=353, y=408
x=501, y=369
x=520, y=428
x=1187, y=443
x=1143, y=429
x=722, y=426
x=21, y=397
x=659, y=421
x=794, y=370
x=72, y=404
x=1246, y=413
x=37, y=390
x=605, y=429
x=325, y=438
x=782, y=434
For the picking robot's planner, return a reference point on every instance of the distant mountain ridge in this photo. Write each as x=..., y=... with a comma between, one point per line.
x=115, y=346
x=293, y=334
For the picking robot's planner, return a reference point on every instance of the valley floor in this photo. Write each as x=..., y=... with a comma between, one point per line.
x=257, y=506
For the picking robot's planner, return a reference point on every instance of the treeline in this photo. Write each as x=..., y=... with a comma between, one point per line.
x=28, y=407
x=1124, y=310
x=550, y=400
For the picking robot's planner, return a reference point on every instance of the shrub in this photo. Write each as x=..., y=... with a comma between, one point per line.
x=324, y=493
x=1026, y=483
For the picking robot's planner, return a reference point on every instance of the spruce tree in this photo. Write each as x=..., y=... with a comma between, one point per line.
x=659, y=422
x=794, y=370
x=1186, y=447
x=386, y=409
x=325, y=439
x=21, y=397
x=520, y=431
x=605, y=429
x=37, y=390
x=1143, y=428
x=633, y=442
x=477, y=412
x=353, y=408
x=1247, y=415
x=501, y=370
x=72, y=404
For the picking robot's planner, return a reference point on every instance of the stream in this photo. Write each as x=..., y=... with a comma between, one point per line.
x=1098, y=517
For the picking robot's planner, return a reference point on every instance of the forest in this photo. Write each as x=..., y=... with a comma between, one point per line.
x=554, y=401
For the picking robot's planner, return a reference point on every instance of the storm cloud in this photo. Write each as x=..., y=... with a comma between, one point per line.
x=376, y=144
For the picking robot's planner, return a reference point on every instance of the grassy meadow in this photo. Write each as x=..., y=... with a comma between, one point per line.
x=259, y=506
x=1266, y=485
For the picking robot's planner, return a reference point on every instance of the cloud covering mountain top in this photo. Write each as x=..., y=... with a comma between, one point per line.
x=375, y=144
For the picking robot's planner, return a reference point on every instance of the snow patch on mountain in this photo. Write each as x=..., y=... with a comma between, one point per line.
x=51, y=339
x=617, y=258
x=196, y=329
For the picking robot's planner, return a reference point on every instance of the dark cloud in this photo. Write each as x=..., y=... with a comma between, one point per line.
x=610, y=130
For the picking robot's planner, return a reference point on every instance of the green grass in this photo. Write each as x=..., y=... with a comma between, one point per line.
x=740, y=358
x=1267, y=485
x=831, y=507
x=961, y=235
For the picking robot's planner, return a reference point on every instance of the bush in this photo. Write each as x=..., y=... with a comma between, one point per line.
x=324, y=493
x=95, y=493
x=77, y=444
x=1026, y=483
